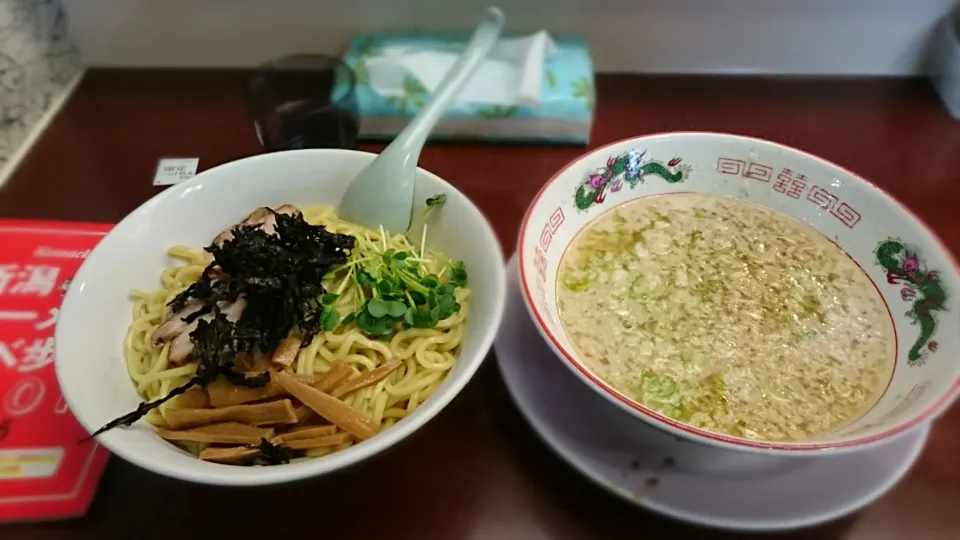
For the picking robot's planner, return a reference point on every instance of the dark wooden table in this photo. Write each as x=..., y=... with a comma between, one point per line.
x=477, y=470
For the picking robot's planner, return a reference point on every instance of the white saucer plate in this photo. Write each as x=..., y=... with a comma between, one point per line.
x=568, y=417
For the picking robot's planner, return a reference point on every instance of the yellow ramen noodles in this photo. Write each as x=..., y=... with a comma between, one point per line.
x=383, y=380
x=726, y=316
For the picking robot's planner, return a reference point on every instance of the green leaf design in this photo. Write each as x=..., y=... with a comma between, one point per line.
x=364, y=49
x=368, y=47
x=412, y=86
x=361, y=73
x=551, y=78
x=497, y=111
x=414, y=93
x=583, y=90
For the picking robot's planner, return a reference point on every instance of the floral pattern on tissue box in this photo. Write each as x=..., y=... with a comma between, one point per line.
x=567, y=87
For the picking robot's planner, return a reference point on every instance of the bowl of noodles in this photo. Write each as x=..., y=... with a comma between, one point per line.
x=743, y=295
x=233, y=330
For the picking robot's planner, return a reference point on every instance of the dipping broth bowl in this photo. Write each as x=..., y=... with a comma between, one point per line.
x=912, y=269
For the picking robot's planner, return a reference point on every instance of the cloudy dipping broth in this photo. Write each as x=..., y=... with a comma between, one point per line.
x=726, y=316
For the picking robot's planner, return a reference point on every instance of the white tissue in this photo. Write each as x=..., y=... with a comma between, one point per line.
x=511, y=75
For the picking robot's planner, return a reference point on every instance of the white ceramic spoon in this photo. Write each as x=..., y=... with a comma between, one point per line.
x=382, y=194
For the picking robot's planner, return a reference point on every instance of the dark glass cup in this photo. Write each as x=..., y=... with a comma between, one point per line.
x=304, y=101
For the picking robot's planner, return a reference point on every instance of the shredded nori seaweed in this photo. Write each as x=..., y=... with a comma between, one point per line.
x=280, y=278
x=272, y=454
x=279, y=275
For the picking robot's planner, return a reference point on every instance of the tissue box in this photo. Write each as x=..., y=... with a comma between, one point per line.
x=943, y=62
x=563, y=114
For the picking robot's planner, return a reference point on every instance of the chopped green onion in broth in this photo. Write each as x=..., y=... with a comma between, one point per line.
x=727, y=316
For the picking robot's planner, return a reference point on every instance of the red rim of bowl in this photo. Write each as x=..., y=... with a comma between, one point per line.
x=647, y=414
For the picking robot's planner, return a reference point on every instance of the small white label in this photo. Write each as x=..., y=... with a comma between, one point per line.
x=172, y=171
x=20, y=463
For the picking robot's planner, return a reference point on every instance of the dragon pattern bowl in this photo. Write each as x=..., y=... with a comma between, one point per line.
x=913, y=271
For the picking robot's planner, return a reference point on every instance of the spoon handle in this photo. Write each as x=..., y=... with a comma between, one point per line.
x=484, y=37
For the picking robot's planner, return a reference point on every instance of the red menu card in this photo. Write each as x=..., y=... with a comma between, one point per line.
x=45, y=472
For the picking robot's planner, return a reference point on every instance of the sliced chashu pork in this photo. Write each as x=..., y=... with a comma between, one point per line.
x=174, y=325
x=262, y=216
x=177, y=331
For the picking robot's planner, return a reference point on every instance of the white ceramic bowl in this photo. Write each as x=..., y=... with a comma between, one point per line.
x=96, y=311
x=857, y=215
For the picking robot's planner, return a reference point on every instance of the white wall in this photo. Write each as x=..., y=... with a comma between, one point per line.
x=850, y=37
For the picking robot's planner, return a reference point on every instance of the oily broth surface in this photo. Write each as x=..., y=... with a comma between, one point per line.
x=727, y=316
